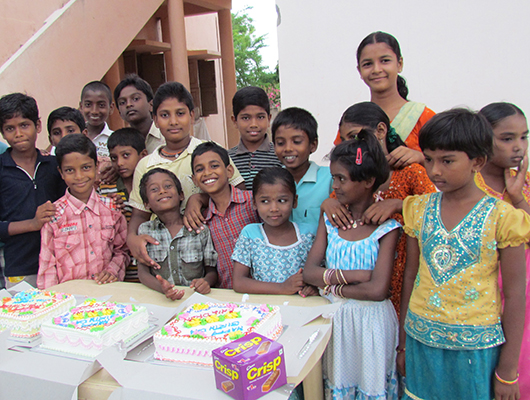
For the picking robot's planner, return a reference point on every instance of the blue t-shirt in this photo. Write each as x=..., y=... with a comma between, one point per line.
x=3, y=147
x=269, y=262
x=312, y=190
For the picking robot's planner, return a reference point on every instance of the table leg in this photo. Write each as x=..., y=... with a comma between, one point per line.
x=314, y=384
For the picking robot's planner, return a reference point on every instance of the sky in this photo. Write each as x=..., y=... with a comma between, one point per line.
x=263, y=13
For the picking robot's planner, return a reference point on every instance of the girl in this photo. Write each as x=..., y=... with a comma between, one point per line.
x=403, y=182
x=359, y=362
x=451, y=297
x=498, y=179
x=379, y=63
x=268, y=257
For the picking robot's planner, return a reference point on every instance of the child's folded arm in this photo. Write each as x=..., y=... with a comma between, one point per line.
x=243, y=283
x=47, y=275
x=120, y=257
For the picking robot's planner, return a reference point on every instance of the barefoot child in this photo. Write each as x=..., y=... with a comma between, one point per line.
x=359, y=361
x=452, y=322
x=499, y=179
x=185, y=258
x=269, y=257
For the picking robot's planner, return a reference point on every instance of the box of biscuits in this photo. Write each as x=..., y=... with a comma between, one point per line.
x=249, y=367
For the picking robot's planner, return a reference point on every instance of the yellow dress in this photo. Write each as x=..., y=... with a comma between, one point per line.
x=455, y=303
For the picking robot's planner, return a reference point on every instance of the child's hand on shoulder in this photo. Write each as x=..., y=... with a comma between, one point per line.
x=104, y=277
x=381, y=211
x=339, y=216
x=44, y=213
x=170, y=290
x=294, y=283
x=308, y=290
x=201, y=286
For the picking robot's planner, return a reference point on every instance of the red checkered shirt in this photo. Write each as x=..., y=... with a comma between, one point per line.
x=82, y=240
x=225, y=229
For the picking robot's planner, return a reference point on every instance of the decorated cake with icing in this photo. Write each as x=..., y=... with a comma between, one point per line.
x=193, y=334
x=25, y=312
x=91, y=327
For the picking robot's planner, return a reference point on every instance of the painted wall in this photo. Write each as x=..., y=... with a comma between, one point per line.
x=455, y=53
x=202, y=33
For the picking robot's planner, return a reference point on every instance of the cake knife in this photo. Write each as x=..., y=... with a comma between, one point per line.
x=307, y=344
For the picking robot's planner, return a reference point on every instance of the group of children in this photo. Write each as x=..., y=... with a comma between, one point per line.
x=262, y=218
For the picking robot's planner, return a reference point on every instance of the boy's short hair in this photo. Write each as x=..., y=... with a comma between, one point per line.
x=66, y=114
x=18, y=104
x=75, y=143
x=139, y=83
x=172, y=90
x=250, y=96
x=127, y=137
x=147, y=175
x=97, y=86
x=210, y=146
x=296, y=118
x=458, y=129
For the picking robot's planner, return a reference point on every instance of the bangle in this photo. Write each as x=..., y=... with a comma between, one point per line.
x=507, y=382
x=398, y=350
x=327, y=289
x=340, y=291
x=324, y=277
x=344, y=281
x=327, y=276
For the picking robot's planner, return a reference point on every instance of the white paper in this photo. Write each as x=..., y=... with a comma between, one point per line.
x=20, y=287
x=144, y=380
x=4, y=293
x=29, y=375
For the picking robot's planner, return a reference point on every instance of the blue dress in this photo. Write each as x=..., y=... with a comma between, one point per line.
x=360, y=360
x=268, y=262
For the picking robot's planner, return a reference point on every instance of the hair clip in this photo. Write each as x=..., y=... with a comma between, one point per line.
x=359, y=159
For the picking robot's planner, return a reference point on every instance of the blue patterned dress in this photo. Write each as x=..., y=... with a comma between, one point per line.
x=360, y=360
x=268, y=262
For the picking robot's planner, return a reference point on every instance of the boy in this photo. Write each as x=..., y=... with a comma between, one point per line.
x=185, y=258
x=229, y=209
x=173, y=115
x=294, y=133
x=126, y=148
x=251, y=117
x=134, y=99
x=96, y=105
x=64, y=121
x=29, y=183
x=86, y=237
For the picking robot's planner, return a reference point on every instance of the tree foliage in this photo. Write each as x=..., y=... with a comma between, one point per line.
x=249, y=68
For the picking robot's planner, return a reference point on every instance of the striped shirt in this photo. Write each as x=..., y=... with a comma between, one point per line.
x=225, y=229
x=249, y=164
x=131, y=272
